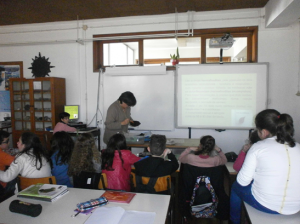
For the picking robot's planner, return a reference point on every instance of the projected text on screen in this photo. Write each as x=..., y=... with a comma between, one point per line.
x=222, y=99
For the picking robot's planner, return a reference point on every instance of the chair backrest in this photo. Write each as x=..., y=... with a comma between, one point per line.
x=152, y=185
x=86, y=180
x=103, y=182
x=189, y=176
x=25, y=182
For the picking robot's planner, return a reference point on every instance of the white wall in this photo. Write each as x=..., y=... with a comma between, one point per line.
x=73, y=61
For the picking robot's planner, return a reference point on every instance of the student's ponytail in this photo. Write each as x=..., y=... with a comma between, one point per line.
x=285, y=130
x=208, y=144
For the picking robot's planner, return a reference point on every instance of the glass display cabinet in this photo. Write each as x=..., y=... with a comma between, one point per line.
x=35, y=105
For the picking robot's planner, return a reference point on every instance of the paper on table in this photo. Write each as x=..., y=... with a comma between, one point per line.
x=118, y=215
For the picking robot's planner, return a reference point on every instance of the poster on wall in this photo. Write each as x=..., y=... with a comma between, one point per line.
x=4, y=101
x=10, y=70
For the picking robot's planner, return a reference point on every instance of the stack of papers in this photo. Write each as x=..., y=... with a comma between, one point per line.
x=44, y=192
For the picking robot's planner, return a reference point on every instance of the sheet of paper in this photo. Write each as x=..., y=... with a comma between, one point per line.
x=117, y=215
x=136, y=217
x=106, y=215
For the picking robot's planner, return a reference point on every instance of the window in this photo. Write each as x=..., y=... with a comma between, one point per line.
x=120, y=53
x=150, y=49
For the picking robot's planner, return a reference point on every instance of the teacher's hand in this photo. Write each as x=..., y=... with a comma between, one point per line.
x=125, y=122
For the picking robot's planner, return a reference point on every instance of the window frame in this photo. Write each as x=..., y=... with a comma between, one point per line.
x=250, y=32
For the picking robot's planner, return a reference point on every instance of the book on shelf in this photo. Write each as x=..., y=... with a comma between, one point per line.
x=44, y=192
x=118, y=196
x=117, y=215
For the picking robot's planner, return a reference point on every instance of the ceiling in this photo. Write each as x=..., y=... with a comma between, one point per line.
x=14, y=12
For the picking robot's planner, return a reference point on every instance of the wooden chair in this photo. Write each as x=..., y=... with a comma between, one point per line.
x=24, y=182
x=89, y=180
x=103, y=182
x=155, y=185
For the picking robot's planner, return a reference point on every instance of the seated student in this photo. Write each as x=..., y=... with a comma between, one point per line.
x=61, y=149
x=204, y=155
x=116, y=163
x=5, y=158
x=63, y=124
x=85, y=156
x=32, y=161
x=156, y=165
x=253, y=138
x=269, y=179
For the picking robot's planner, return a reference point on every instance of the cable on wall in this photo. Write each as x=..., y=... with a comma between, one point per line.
x=298, y=93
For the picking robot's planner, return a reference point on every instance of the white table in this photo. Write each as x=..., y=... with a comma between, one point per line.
x=61, y=210
x=258, y=217
x=229, y=166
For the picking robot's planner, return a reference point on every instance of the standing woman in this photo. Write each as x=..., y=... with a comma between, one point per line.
x=269, y=179
x=61, y=149
x=118, y=116
x=32, y=161
x=116, y=163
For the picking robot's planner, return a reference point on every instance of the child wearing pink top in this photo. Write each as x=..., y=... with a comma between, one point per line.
x=63, y=124
x=208, y=154
x=253, y=138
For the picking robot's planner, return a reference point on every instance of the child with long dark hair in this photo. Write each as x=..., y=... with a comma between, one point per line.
x=116, y=163
x=32, y=161
x=61, y=149
x=207, y=154
x=269, y=179
x=85, y=156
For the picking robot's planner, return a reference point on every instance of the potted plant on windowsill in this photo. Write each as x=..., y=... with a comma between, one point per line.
x=175, y=58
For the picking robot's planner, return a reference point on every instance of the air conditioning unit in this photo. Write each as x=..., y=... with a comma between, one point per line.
x=222, y=42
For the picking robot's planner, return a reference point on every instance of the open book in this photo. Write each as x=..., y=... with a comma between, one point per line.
x=118, y=196
x=118, y=215
x=44, y=192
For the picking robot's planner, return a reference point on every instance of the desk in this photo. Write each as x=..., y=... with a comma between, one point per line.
x=230, y=176
x=6, y=127
x=257, y=217
x=61, y=210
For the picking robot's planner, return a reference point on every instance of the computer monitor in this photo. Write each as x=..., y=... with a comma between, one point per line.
x=73, y=110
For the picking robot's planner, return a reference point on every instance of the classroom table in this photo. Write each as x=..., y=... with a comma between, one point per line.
x=253, y=216
x=61, y=210
x=176, y=144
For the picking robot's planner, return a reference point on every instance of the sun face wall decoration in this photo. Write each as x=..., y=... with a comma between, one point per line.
x=40, y=66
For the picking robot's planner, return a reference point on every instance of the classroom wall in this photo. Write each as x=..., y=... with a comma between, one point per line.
x=73, y=61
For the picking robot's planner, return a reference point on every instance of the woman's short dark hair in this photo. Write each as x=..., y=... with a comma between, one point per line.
x=277, y=124
x=128, y=98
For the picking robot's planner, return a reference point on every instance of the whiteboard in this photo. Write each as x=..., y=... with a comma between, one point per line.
x=221, y=96
x=155, y=95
